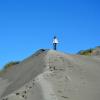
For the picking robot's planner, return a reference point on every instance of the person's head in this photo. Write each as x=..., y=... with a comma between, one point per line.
x=55, y=37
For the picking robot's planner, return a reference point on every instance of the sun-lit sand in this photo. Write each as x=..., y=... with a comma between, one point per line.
x=52, y=75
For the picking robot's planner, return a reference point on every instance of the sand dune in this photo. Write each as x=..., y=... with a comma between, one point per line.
x=52, y=75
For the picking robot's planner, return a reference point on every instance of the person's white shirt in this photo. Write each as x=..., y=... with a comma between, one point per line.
x=55, y=40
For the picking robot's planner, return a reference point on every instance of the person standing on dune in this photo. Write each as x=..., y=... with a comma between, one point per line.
x=55, y=42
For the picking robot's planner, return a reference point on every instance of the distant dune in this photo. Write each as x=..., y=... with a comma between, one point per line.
x=52, y=75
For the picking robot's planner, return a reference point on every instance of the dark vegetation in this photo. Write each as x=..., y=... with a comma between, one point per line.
x=87, y=52
x=10, y=64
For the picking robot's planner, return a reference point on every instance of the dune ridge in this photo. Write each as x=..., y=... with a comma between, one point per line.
x=52, y=75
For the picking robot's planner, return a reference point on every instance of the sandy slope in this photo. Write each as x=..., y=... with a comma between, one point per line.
x=51, y=75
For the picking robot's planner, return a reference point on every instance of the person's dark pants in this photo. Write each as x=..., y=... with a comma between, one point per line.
x=55, y=46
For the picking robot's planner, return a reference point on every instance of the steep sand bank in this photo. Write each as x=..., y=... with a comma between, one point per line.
x=51, y=75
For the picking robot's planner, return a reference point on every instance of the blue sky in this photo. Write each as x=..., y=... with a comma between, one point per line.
x=28, y=25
